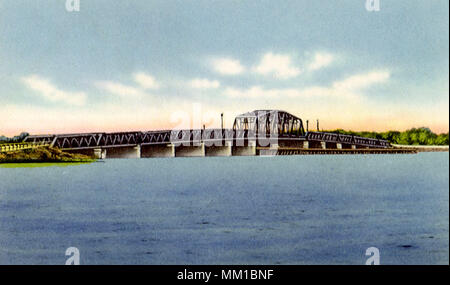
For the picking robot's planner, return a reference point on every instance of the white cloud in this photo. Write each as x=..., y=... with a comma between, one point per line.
x=146, y=81
x=52, y=93
x=199, y=83
x=348, y=88
x=361, y=81
x=278, y=65
x=119, y=89
x=258, y=92
x=227, y=66
x=320, y=60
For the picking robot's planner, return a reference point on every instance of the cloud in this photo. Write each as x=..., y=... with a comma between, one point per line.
x=204, y=83
x=320, y=60
x=227, y=66
x=52, y=93
x=278, y=65
x=258, y=92
x=348, y=88
x=119, y=89
x=361, y=81
x=146, y=81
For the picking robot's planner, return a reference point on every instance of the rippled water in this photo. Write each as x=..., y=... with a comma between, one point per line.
x=237, y=210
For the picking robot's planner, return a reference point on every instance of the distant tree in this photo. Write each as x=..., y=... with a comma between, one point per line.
x=14, y=139
x=442, y=139
x=414, y=136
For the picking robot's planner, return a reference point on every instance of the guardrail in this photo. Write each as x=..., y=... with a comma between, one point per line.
x=91, y=140
x=347, y=139
x=10, y=147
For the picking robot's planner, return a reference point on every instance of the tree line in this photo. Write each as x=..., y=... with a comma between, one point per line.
x=15, y=139
x=414, y=136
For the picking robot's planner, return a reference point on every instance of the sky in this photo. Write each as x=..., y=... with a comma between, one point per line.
x=150, y=64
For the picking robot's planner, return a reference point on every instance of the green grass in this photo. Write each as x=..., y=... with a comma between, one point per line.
x=42, y=155
x=414, y=136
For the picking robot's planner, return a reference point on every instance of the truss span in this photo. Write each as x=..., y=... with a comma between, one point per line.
x=257, y=126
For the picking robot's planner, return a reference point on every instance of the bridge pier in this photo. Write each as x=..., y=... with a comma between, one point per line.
x=225, y=150
x=158, y=150
x=273, y=150
x=346, y=146
x=315, y=144
x=249, y=150
x=331, y=145
x=190, y=151
x=124, y=152
x=306, y=144
x=99, y=153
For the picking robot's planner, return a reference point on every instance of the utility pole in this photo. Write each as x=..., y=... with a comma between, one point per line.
x=221, y=121
x=307, y=125
x=318, y=125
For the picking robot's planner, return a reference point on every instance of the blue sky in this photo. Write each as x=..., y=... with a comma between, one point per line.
x=139, y=65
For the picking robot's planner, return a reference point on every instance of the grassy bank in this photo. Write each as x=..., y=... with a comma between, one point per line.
x=43, y=155
x=40, y=164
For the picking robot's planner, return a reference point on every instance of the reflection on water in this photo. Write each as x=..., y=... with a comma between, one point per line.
x=234, y=210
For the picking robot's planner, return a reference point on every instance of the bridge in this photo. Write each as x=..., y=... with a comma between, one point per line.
x=260, y=132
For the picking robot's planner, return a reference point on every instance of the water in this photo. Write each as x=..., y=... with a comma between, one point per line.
x=238, y=210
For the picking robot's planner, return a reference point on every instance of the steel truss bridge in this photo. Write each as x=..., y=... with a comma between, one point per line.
x=265, y=127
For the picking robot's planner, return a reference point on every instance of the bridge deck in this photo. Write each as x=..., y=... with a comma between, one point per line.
x=236, y=137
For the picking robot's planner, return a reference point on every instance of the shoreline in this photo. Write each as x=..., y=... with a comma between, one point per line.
x=53, y=156
x=40, y=155
x=424, y=148
x=40, y=164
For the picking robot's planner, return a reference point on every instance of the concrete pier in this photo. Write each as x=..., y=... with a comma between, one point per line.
x=190, y=151
x=272, y=150
x=158, y=150
x=306, y=144
x=124, y=152
x=225, y=150
x=315, y=144
x=343, y=146
x=248, y=150
x=99, y=153
x=331, y=145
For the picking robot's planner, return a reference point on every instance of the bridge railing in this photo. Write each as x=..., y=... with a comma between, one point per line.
x=190, y=136
x=346, y=139
x=186, y=137
x=11, y=147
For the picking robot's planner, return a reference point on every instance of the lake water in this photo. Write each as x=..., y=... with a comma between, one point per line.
x=324, y=209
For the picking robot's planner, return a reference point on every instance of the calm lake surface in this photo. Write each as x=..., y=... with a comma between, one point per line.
x=325, y=209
